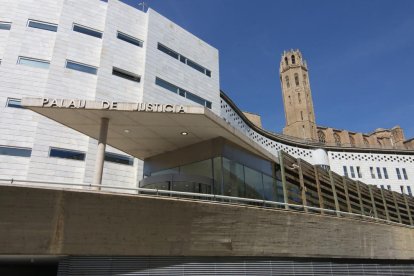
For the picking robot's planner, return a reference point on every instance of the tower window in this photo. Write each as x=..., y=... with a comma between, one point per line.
x=290, y=100
x=337, y=139
x=301, y=115
x=287, y=81
x=304, y=79
x=293, y=59
x=321, y=136
x=296, y=79
x=299, y=99
x=286, y=61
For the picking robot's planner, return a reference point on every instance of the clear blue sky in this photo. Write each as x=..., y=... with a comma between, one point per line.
x=360, y=55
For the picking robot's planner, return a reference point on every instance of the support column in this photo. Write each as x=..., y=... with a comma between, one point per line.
x=361, y=203
x=318, y=188
x=348, y=202
x=408, y=209
x=384, y=201
x=100, y=153
x=302, y=185
x=397, y=207
x=374, y=208
x=283, y=176
x=334, y=192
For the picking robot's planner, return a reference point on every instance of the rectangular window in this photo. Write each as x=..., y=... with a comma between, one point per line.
x=67, y=154
x=345, y=171
x=359, y=172
x=85, y=30
x=182, y=92
x=402, y=189
x=12, y=151
x=371, y=169
x=352, y=172
x=118, y=158
x=379, y=173
x=15, y=103
x=125, y=74
x=405, y=174
x=184, y=60
x=382, y=187
x=129, y=39
x=33, y=62
x=385, y=173
x=42, y=25
x=389, y=187
x=397, y=170
x=409, y=191
x=5, y=25
x=81, y=67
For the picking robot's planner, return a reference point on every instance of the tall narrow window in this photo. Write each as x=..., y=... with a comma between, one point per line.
x=352, y=172
x=405, y=174
x=301, y=115
x=299, y=99
x=337, y=139
x=371, y=169
x=389, y=187
x=359, y=172
x=287, y=81
x=296, y=79
x=397, y=170
x=345, y=171
x=304, y=79
x=409, y=191
x=385, y=173
x=290, y=100
x=293, y=59
x=286, y=61
x=379, y=173
x=321, y=136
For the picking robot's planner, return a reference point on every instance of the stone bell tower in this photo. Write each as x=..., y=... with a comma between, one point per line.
x=297, y=96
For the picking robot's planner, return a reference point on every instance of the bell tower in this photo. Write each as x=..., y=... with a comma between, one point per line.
x=297, y=96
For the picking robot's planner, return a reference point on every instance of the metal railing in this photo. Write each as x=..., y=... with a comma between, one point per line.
x=218, y=199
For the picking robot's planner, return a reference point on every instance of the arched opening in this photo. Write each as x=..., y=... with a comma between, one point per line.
x=286, y=61
x=321, y=136
x=296, y=79
x=287, y=81
x=293, y=59
x=304, y=79
x=337, y=139
x=299, y=99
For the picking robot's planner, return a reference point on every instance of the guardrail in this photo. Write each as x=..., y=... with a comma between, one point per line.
x=203, y=197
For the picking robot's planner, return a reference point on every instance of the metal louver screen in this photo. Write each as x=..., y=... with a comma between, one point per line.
x=103, y=266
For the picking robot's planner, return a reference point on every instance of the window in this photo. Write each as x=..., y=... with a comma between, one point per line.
x=299, y=99
x=287, y=81
x=129, y=39
x=125, y=74
x=345, y=171
x=183, y=59
x=301, y=115
x=286, y=61
x=15, y=103
x=371, y=169
x=12, y=151
x=402, y=189
x=382, y=187
x=293, y=59
x=352, y=172
x=389, y=187
x=304, y=79
x=385, y=173
x=379, y=173
x=119, y=158
x=409, y=191
x=321, y=136
x=337, y=139
x=296, y=79
x=397, y=170
x=359, y=172
x=42, y=25
x=81, y=67
x=5, y=25
x=67, y=154
x=290, y=101
x=85, y=30
x=405, y=174
x=33, y=62
x=183, y=93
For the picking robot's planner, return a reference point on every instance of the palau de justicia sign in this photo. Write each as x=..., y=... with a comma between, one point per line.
x=113, y=105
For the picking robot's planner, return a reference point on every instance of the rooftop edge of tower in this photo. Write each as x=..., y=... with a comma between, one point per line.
x=292, y=58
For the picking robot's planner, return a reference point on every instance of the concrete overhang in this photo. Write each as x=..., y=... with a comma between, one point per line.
x=143, y=129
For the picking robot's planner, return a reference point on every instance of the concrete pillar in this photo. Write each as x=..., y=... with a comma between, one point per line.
x=100, y=153
x=283, y=176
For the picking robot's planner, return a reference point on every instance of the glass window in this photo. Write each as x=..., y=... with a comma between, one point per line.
x=167, y=171
x=16, y=103
x=12, y=151
x=208, y=72
x=196, y=98
x=195, y=66
x=273, y=189
x=405, y=174
x=379, y=173
x=233, y=178
x=409, y=191
x=130, y=39
x=398, y=173
x=42, y=25
x=166, y=85
x=385, y=173
x=345, y=171
x=389, y=187
x=359, y=172
x=67, y=154
x=217, y=189
x=168, y=51
x=81, y=67
x=33, y=62
x=5, y=25
x=352, y=172
x=85, y=30
x=125, y=74
x=119, y=158
x=371, y=169
x=202, y=168
x=254, y=183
